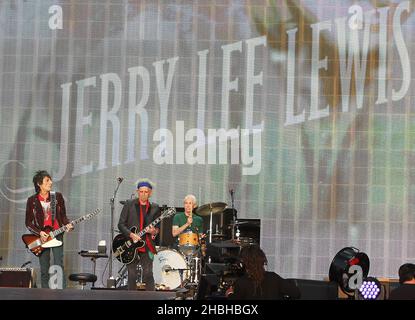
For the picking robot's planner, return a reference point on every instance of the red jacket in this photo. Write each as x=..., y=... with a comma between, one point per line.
x=35, y=216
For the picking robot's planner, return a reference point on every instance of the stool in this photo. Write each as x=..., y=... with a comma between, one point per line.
x=83, y=278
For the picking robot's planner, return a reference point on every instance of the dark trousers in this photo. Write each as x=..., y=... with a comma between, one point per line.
x=44, y=261
x=147, y=266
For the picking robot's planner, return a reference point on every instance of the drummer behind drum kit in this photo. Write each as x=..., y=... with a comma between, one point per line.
x=180, y=268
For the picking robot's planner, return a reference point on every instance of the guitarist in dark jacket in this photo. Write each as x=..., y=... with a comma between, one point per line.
x=39, y=217
x=140, y=213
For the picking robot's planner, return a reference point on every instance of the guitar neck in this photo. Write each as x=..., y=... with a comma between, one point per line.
x=62, y=229
x=142, y=232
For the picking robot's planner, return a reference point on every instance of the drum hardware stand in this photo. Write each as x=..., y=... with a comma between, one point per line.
x=181, y=278
x=196, y=270
x=140, y=270
x=210, y=224
x=210, y=229
x=121, y=274
x=194, y=265
x=110, y=281
x=237, y=233
x=235, y=218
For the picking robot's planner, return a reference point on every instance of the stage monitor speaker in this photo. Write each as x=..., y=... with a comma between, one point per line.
x=216, y=268
x=316, y=289
x=223, y=252
x=16, y=277
x=208, y=288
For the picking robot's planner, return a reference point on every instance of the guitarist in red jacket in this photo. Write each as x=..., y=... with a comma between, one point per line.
x=140, y=213
x=40, y=219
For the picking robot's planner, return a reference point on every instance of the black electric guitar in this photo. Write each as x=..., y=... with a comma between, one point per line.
x=124, y=248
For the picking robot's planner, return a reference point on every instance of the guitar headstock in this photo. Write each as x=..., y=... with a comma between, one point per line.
x=92, y=214
x=169, y=212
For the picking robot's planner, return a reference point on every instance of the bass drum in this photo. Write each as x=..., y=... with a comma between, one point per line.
x=169, y=270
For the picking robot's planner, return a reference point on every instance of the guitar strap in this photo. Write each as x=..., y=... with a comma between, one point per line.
x=35, y=211
x=53, y=205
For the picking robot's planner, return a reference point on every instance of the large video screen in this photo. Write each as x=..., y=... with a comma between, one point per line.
x=303, y=108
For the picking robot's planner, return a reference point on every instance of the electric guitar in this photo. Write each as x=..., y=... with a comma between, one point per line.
x=124, y=248
x=34, y=243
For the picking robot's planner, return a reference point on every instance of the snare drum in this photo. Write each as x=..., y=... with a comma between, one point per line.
x=170, y=269
x=188, y=242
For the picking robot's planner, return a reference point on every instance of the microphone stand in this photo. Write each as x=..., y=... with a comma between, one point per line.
x=210, y=224
x=121, y=274
x=235, y=218
x=111, y=282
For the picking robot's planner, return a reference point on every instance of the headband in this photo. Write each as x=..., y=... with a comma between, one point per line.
x=144, y=184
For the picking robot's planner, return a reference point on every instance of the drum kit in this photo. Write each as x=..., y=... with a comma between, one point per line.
x=180, y=268
x=176, y=268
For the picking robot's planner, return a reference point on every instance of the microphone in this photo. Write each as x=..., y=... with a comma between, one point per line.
x=166, y=268
x=120, y=179
x=25, y=264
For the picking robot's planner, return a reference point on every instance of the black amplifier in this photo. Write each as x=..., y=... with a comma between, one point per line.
x=16, y=277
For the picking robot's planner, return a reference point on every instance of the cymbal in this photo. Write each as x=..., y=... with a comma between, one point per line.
x=245, y=241
x=214, y=207
x=237, y=223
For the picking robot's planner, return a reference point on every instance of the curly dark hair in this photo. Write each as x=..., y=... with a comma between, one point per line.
x=38, y=179
x=254, y=260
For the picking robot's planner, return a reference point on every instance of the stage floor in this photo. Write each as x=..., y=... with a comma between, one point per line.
x=78, y=294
